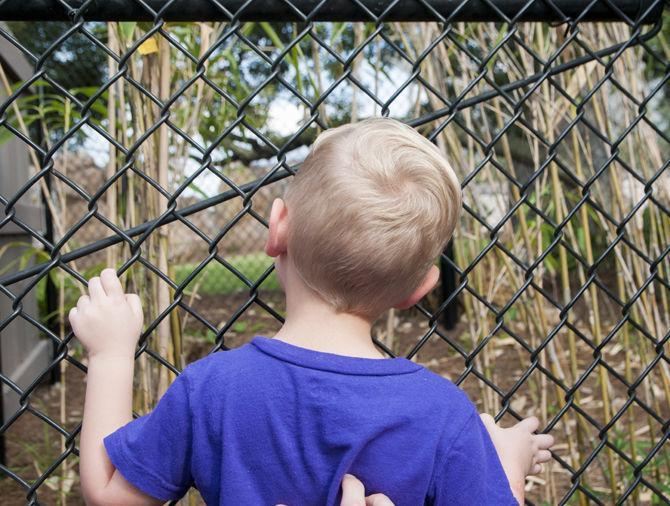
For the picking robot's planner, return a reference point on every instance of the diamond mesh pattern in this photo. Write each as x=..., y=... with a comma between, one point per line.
x=559, y=132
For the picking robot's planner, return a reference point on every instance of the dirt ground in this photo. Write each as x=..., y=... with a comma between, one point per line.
x=32, y=445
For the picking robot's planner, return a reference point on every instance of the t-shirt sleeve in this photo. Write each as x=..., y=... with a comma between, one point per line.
x=471, y=469
x=153, y=452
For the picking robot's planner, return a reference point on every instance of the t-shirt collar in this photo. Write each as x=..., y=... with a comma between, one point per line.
x=331, y=362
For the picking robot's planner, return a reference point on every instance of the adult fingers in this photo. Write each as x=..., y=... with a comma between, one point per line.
x=544, y=441
x=536, y=469
x=95, y=289
x=134, y=302
x=353, y=491
x=110, y=282
x=529, y=424
x=378, y=500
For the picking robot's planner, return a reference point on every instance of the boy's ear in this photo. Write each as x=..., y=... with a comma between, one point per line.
x=429, y=281
x=278, y=229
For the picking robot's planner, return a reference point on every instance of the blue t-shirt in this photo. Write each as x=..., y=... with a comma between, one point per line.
x=272, y=423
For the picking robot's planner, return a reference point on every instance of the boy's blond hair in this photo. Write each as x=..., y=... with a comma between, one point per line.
x=370, y=210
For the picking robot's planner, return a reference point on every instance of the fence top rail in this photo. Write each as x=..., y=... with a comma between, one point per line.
x=631, y=11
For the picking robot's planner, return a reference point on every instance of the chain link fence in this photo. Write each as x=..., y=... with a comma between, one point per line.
x=158, y=133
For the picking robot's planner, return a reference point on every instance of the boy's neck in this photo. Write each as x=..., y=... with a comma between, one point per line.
x=311, y=323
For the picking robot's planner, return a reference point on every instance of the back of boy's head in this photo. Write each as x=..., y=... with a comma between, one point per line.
x=370, y=210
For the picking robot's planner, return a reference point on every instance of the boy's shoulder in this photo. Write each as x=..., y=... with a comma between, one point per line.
x=441, y=385
x=448, y=403
x=219, y=363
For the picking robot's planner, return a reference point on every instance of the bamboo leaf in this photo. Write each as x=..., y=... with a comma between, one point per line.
x=149, y=46
x=337, y=32
x=272, y=34
x=126, y=28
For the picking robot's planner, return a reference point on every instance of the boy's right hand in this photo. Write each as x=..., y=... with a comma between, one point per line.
x=108, y=322
x=520, y=451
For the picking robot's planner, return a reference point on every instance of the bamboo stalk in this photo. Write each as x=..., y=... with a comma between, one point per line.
x=165, y=343
x=110, y=194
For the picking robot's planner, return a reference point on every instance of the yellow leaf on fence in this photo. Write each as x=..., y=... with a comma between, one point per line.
x=148, y=46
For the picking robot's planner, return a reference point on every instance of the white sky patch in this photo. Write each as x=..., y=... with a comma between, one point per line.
x=284, y=117
x=96, y=147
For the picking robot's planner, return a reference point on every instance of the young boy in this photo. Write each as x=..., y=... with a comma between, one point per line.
x=281, y=421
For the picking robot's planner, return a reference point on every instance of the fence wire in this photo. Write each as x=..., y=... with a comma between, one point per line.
x=558, y=129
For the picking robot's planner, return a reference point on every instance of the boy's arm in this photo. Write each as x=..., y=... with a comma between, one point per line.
x=107, y=407
x=469, y=468
x=108, y=323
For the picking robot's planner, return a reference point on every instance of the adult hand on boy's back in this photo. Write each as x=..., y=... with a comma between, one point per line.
x=353, y=494
x=107, y=321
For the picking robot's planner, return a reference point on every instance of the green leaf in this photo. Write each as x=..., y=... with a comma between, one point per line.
x=550, y=264
x=240, y=326
x=581, y=240
x=210, y=336
x=337, y=32
x=126, y=28
x=272, y=34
